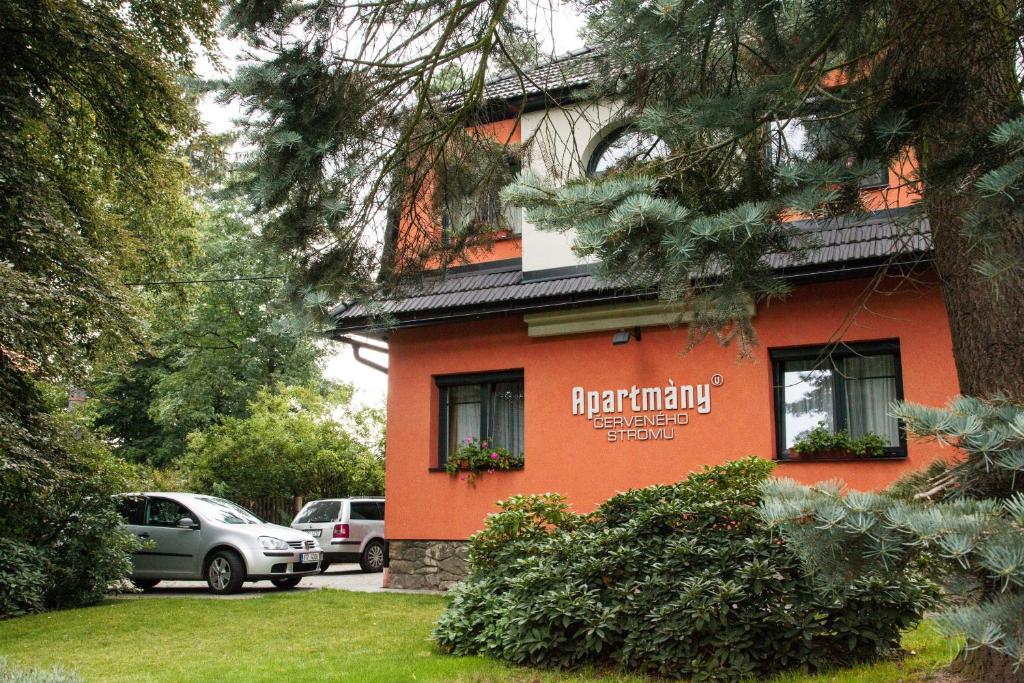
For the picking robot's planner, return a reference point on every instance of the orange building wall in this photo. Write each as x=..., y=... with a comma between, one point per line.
x=904, y=187
x=419, y=217
x=903, y=190
x=507, y=132
x=564, y=453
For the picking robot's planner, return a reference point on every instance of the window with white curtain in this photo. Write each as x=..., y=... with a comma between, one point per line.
x=486, y=406
x=845, y=387
x=483, y=209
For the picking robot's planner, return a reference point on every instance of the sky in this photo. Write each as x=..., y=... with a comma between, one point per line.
x=558, y=28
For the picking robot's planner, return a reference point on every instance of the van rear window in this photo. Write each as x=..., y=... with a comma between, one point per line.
x=320, y=511
x=371, y=511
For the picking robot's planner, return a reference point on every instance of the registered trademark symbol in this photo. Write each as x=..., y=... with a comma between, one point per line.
x=717, y=380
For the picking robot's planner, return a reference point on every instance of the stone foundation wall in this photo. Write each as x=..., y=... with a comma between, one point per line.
x=427, y=565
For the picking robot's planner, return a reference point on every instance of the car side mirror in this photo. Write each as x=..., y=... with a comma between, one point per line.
x=186, y=523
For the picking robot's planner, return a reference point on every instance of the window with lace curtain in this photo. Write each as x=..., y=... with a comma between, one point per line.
x=486, y=406
x=482, y=209
x=844, y=387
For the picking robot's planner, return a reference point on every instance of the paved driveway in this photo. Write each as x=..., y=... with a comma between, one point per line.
x=339, y=576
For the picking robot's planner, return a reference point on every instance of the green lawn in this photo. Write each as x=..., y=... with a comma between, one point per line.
x=307, y=636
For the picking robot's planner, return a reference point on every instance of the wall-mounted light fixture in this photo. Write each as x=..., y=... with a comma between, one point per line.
x=622, y=336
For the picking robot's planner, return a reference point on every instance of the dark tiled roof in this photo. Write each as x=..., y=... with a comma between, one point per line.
x=575, y=69
x=469, y=289
x=834, y=247
x=850, y=239
x=572, y=71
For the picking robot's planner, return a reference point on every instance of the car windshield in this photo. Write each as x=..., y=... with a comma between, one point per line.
x=226, y=512
x=319, y=511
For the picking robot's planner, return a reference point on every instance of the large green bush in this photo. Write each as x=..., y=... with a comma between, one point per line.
x=62, y=544
x=295, y=442
x=22, y=579
x=682, y=580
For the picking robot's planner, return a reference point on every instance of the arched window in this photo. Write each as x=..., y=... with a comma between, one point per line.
x=624, y=146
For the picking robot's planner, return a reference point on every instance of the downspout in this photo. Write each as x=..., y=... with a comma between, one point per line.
x=358, y=346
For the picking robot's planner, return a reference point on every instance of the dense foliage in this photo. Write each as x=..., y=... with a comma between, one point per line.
x=92, y=195
x=972, y=535
x=681, y=580
x=210, y=346
x=22, y=579
x=62, y=543
x=294, y=442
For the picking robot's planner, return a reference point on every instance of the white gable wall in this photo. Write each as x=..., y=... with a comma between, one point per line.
x=557, y=144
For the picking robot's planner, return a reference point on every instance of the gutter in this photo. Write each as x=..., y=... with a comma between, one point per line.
x=357, y=347
x=434, y=317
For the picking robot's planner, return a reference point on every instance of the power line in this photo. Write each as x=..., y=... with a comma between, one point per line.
x=197, y=282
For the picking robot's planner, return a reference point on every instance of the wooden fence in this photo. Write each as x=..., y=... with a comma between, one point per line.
x=277, y=509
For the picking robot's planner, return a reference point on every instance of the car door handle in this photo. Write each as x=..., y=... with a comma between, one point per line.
x=144, y=535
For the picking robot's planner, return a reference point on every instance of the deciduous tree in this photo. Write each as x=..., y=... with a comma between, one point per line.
x=92, y=194
x=210, y=345
x=295, y=442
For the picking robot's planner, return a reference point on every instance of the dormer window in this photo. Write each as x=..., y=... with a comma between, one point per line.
x=486, y=214
x=624, y=146
x=480, y=210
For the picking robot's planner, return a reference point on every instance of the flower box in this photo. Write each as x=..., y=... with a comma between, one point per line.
x=479, y=456
x=821, y=444
x=826, y=454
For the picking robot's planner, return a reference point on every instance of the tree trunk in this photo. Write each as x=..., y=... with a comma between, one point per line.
x=987, y=666
x=961, y=62
x=986, y=316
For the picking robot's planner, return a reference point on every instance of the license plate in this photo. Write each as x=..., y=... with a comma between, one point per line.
x=309, y=557
x=313, y=532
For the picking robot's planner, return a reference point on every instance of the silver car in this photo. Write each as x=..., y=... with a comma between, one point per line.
x=349, y=530
x=193, y=537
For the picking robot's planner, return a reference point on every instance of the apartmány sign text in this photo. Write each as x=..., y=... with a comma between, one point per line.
x=656, y=412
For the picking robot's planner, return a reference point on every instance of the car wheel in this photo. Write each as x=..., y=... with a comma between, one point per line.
x=324, y=566
x=145, y=584
x=287, y=582
x=372, y=559
x=225, y=572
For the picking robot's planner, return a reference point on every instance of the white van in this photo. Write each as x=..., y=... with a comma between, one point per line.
x=348, y=529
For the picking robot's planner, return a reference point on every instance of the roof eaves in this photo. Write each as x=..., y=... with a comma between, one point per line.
x=847, y=247
x=555, y=78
